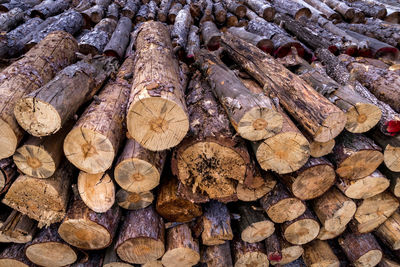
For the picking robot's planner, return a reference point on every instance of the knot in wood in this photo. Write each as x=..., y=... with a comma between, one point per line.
x=259, y=124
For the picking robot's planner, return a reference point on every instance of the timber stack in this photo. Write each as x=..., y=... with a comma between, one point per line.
x=199, y=133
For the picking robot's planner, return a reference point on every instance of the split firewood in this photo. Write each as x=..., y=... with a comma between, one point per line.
x=86, y=229
x=317, y=115
x=211, y=35
x=253, y=225
x=394, y=178
x=293, y=8
x=373, y=211
x=13, y=255
x=166, y=123
x=193, y=43
x=260, y=41
x=173, y=12
x=361, y=250
x=389, y=231
x=262, y=184
x=48, y=249
x=319, y=253
x=97, y=191
x=113, y=12
x=130, y=9
x=134, y=201
x=249, y=254
x=94, y=41
x=325, y=9
x=219, y=12
x=93, y=144
x=312, y=180
x=11, y=19
x=289, y=252
x=164, y=10
x=181, y=248
x=215, y=224
x=301, y=230
x=16, y=227
x=49, y=8
x=145, y=241
x=363, y=188
x=235, y=7
x=218, y=255
x=119, y=39
x=59, y=49
x=173, y=207
x=8, y=172
x=355, y=156
x=24, y=5
x=181, y=28
x=281, y=206
x=44, y=200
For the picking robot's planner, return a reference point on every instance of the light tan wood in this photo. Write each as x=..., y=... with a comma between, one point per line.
x=319, y=254
x=265, y=183
x=249, y=254
x=301, y=230
x=320, y=149
x=325, y=234
x=134, y=201
x=389, y=231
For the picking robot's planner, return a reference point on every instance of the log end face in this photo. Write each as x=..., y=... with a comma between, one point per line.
x=157, y=123
x=269, y=14
x=302, y=231
x=367, y=187
x=258, y=259
x=12, y=262
x=362, y=117
x=331, y=127
x=245, y=193
x=180, y=257
x=303, y=12
x=134, y=201
x=179, y=210
x=51, y=254
x=289, y=254
x=140, y=250
x=369, y=259
x=360, y=164
x=391, y=157
x=318, y=149
x=258, y=231
x=39, y=164
x=341, y=217
x=287, y=48
x=286, y=210
x=8, y=140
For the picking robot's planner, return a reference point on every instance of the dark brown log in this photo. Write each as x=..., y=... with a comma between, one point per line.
x=88, y=230
x=44, y=200
x=253, y=225
x=289, y=252
x=164, y=10
x=280, y=206
x=355, y=156
x=134, y=201
x=211, y=35
x=386, y=262
x=263, y=8
x=262, y=183
x=218, y=255
x=261, y=42
x=11, y=19
x=374, y=211
x=273, y=248
x=312, y=180
x=16, y=227
x=8, y=172
x=391, y=147
x=219, y=12
x=231, y=20
x=145, y=241
x=48, y=249
x=44, y=111
x=325, y=9
x=236, y=8
x=94, y=41
x=180, y=31
x=319, y=253
x=321, y=119
x=389, y=231
x=173, y=12
x=13, y=255
x=390, y=120
x=301, y=230
x=361, y=250
x=394, y=178
x=49, y=8
x=59, y=49
x=293, y=8
x=181, y=248
x=113, y=12
x=94, y=259
x=130, y=9
x=216, y=224
x=249, y=254
x=363, y=188
x=193, y=43
x=120, y=38
x=24, y=5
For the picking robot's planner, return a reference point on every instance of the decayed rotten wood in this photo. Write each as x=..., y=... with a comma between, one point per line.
x=361, y=250
x=173, y=207
x=363, y=188
x=312, y=180
x=49, y=8
x=211, y=35
x=319, y=253
x=133, y=201
x=389, y=123
x=11, y=19
x=317, y=115
x=181, y=248
x=193, y=42
x=45, y=110
x=130, y=9
x=373, y=211
x=235, y=7
x=173, y=12
x=253, y=225
x=334, y=210
x=261, y=183
x=263, y=8
x=261, y=42
x=145, y=241
x=217, y=255
x=26, y=75
x=301, y=230
x=44, y=200
x=355, y=156
x=325, y=9
x=16, y=227
x=158, y=85
x=289, y=252
x=86, y=229
x=113, y=12
x=280, y=206
x=389, y=231
x=249, y=254
x=119, y=39
x=94, y=41
x=98, y=134
x=216, y=224
x=293, y=8
x=8, y=172
x=40, y=157
x=13, y=255
x=48, y=243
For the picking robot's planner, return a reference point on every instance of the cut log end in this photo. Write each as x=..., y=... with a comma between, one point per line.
x=331, y=127
x=391, y=157
x=318, y=149
x=157, y=123
x=8, y=140
x=258, y=259
x=134, y=201
x=371, y=258
x=360, y=164
x=51, y=254
x=89, y=150
x=260, y=123
x=258, y=231
x=365, y=187
x=136, y=175
x=34, y=161
x=303, y=12
x=341, y=217
x=140, y=250
x=302, y=231
x=325, y=234
x=289, y=254
x=245, y=193
x=362, y=117
x=12, y=262
x=38, y=118
x=293, y=208
x=272, y=154
x=180, y=257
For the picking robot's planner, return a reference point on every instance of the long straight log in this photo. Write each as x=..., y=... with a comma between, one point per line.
x=325, y=9
x=263, y=8
x=293, y=8
x=261, y=42
x=119, y=39
x=11, y=19
x=49, y=8
x=369, y=8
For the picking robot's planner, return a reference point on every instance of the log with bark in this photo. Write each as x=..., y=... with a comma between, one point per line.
x=319, y=253
x=94, y=41
x=163, y=11
x=49, y=8
x=181, y=28
x=273, y=248
x=370, y=9
x=207, y=12
x=48, y=249
x=325, y=9
x=166, y=123
x=363, y=188
x=301, y=230
x=263, y=8
x=391, y=146
x=361, y=250
x=181, y=248
x=389, y=231
x=211, y=35
x=83, y=5
x=215, y=224
x=387, y=262
x=44, y=200
x=93, y=15
x=111, y=258
x=134, y=201
x=281, y=206
x=113, y=12
x=218, y=255
x=390, y=120
x=373, y=211
x=235, y=7
x=13, y=255
x=219, y=12
x=119, y=39
x=93, y=259
x=26, y=75
x=11, y=19
x=145, y=241
x=130, y=9
x=249, y=254
x=24, y=5
x=193, y=43
x=173, y=12
x=394, y=178
x=321, y=119
x=231, y=20
x=8, y=172
x=289, y=252
x=261, y=42
x=355, y=156
x=347, y=12
x=293, y=8
x=16, y=227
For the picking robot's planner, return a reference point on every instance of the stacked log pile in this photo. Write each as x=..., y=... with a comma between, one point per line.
x=199, y=133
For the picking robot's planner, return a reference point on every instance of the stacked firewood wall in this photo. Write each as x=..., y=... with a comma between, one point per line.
x=199, y=133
